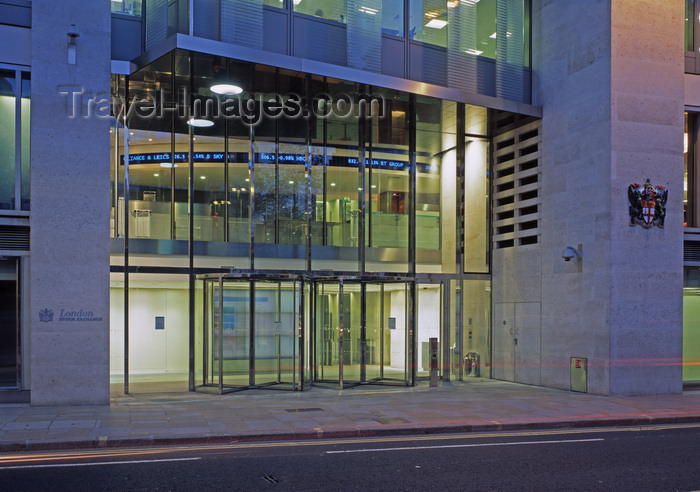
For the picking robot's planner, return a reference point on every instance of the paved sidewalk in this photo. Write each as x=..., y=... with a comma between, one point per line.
x=477, y=405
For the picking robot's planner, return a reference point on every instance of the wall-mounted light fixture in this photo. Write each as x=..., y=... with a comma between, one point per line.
x=570, y=253
x=72, y=46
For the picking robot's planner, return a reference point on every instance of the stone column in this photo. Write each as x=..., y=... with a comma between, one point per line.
x=70, y=157
x=646, y=275
x=609, y=78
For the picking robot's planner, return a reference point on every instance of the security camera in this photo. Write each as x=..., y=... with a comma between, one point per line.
x=570, y=253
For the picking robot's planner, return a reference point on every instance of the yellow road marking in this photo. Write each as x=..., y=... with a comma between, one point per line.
x=136, y=451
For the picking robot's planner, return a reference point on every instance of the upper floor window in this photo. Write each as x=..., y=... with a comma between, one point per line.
x=128, y=7
x=14, y=140
x=325, y=9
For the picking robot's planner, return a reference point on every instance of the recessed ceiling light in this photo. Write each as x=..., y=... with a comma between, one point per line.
x=202, y=177
x=332, y=184
x=226, y=89
x=436, y=24
x=156, y=174
x=200, y=122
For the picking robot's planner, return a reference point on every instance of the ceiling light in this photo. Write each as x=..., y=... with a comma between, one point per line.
x=200, y=122
x=247, y=180
x=226, y=89
x=156, y=174
x=202, y=177
x=332, y=184
x=291, y=182
x=436, y=23
x=368, y=10
x=473, y=52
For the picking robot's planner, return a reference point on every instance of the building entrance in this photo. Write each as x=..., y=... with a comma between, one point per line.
x=9, y=326
x=252, y=335
x=361, y=332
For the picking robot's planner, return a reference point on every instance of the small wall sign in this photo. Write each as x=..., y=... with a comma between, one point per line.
x=647, y=205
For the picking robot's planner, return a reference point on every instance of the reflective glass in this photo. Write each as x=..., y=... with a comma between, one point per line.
x=428, y=21
x=392, y=17
x=388, y=210
x=128, y=7
x=7, y=139
x=150, y=160
x=685, y=171
x=689, y=31
x=26, y=131
x=327, y=332
x=342, y=213
x=293, y=175
x=435, y=178
x=325, y=9
x=276, y=350
x=476, y=323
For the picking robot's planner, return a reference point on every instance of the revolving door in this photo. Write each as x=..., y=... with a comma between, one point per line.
x=252, y=334
x=362, y=332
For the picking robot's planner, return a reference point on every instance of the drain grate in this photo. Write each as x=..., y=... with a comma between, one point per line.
x=270, y=479
x=391, y=420
x=295, y=410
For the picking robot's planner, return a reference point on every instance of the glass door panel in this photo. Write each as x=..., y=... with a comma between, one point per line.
x=276, y=351
x=375, y=332
x=231, y=336
x=351, y=333
x=327, y=330
x=395, y=338
x=429, y=320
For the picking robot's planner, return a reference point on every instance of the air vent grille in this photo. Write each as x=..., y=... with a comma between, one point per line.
x=517, y=196
x=14, y=238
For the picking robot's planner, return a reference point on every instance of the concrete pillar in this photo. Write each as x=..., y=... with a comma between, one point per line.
x=70, y=157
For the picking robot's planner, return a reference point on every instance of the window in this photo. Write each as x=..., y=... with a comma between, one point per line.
x=14, y=148
x=325, y=9
x=128, y=7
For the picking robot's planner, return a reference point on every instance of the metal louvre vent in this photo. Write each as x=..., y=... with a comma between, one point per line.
x=691, y=251
x=14, y=238
x=516, y=185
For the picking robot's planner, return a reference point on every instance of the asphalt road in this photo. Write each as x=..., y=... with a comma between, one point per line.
x=647, y=458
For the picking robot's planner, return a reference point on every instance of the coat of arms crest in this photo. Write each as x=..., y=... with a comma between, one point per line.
x=647, y=205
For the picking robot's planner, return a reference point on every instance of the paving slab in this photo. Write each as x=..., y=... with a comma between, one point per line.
x=322, y=412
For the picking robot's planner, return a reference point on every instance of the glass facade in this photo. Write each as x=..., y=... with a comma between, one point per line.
x=334, y=10
x=482, y=46
x=128, y=7
x=14, y=139
x=329, y=198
